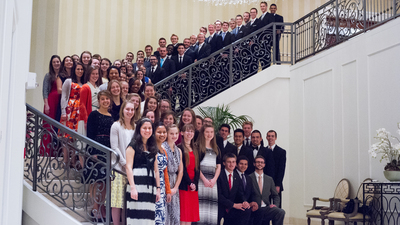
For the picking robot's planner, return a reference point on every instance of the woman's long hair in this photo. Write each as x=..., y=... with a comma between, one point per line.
x=201, y=140
x=74, y=78
x=181, y=124
x=192, y=145
x=156, y=112
x=52, y=72
x=151, y=143
x=122, y=117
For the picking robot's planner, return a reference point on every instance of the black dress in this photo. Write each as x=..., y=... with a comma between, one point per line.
x=115, y=110
x=98, y=129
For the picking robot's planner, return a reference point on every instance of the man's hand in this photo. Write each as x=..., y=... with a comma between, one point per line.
x=254, y=206
x=278, y=189
x=246, y=205
x=272, y=206
x=238, y=206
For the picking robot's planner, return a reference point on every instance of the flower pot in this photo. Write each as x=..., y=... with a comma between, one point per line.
x=392, y=175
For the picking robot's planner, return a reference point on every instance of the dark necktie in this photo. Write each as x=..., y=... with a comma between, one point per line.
x=152, y=69
x=180, y=59
x=244, y=181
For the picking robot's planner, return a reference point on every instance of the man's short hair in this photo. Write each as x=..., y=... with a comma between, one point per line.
x=218, y=21
x=140, y=51
x=270, y=131
x=248, y=123
x=161, y=38
x=228, y=155
x=242, y=157
x=273, y=4
x=264, y=2
x=254, y=9
x=205, y=28
x=238, y=131
x=239, y=16
x=180, y=44
x=259, y=157
x=256, y=131
x=225, y=125
x=247, y=13
x=174, y=35
x=149, y=46
x=225, y=23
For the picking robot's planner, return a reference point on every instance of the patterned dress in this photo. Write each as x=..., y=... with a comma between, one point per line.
x=141, y=211
x=160, y=205
x=172, y=208
x=208, y=197
x=72, y=110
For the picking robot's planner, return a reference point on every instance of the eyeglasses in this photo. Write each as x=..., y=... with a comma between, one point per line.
x=259, y=162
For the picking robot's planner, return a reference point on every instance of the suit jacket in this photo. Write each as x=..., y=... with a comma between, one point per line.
x=227, y=40
x=277, y=19
x=253, y=27
x=264, y=21
x=279, y=155
x=189, y=52
x=226, y=197
x=242, y=32
x=267, y=190
x=186, y=61
x=194, y=47
x=248, y=189
x=229, y=148
x=168, y=66
x=269, y=168
x=216, y=42
x=204, y=52
x=158, y=75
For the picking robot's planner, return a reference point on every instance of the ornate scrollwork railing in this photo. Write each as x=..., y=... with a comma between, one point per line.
x=58, y=162
x=222, y=69
x=383, y=203
x=339, y=20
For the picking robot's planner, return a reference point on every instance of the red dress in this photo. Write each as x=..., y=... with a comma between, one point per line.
x=53, y=100
x=189, y=200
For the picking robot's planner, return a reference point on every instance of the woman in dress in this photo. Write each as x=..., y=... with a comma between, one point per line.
x=151, y=104
x=89, y=92
x=51, y=99
x=188, y=194
x=162, y=158
x=188, y=117
x=175, y=173
x=70, y=102
x=120, y=137
x=65, y=72
x=135, y=98
x=143, y=190
x=104, y=65
x=114, y=87
x=210, y=167
x=98, y=129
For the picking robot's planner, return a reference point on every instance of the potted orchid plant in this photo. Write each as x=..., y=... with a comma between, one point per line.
x=388, y=151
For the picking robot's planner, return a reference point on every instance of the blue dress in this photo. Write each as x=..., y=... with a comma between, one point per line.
x=160, y=205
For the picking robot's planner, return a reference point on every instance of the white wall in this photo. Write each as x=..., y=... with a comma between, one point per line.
x=326, y=110
x=338, y=99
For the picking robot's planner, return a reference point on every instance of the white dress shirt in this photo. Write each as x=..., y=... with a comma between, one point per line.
x=255, y=152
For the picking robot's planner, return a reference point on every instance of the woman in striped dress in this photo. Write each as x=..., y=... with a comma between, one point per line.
x=175, y=173
x=143, y=190
x=210, y=167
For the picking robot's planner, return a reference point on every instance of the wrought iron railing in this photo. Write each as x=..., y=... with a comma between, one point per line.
x=58, y=162
x=228, y=66
x=327, y=26
x=339, y=20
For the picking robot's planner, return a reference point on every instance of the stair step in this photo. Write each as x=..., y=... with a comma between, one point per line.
x=75, y=215
x=68, y=199
x=70, y=173
x=54, y=186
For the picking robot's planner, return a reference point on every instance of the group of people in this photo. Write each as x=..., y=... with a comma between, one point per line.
x=177, y=172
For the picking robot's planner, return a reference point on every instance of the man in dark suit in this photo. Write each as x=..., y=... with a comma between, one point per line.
x=162, y=42
x=174, y=41
x=241, y=150
x=181, y=60
x=155, y=72
x=240, y=30
x=279, y=155
x=139, y=62
x=264, y=18
x=269, y=167
x=231, y=202
x=223, y=144
x=167, y=64
x=148, y=49
x=203, y=49
x=273, y=17
x=193, y=43
x=225, y=34
x=214, y=40
x=264, y=188
x=264, y=21
x=188, y=50
x=253, y=24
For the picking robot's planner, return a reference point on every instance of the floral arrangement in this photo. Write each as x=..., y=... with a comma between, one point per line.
x=388, y=150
